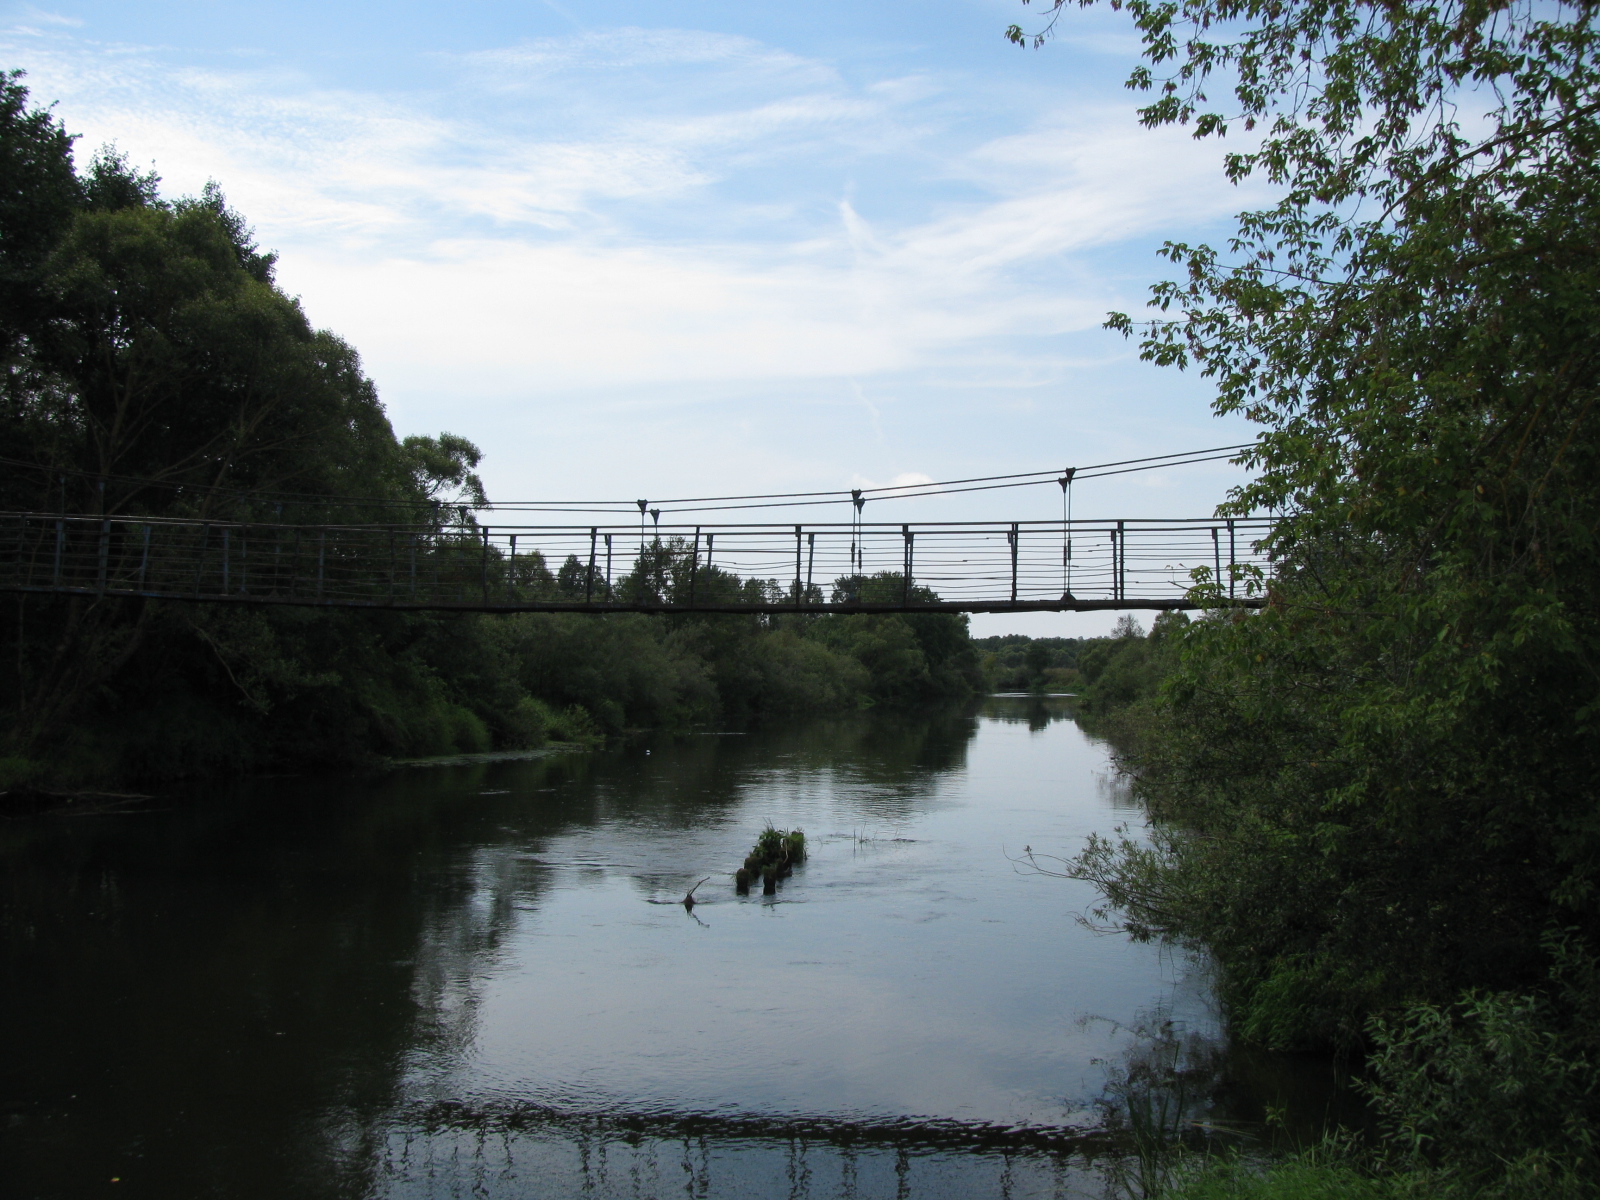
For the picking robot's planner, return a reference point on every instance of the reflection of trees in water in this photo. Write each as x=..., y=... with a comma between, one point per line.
x=1159, y=1096
x=199, y=990
x=520, y=1149
x=1175, y=1088
x=883, y=765
x=219, y=999
x=1037, y=712
x=881, y=746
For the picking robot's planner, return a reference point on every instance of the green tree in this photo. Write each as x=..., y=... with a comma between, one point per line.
x=39, y=194
x=154, y=367
x=1381, y=788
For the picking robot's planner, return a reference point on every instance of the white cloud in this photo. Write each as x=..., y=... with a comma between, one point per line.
x=664, y=216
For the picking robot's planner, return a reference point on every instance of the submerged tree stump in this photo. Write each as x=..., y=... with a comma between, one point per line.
x=776, y=853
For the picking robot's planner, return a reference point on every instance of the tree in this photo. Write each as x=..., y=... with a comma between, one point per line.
x=38, y=195
x=1381, y=789
x=153, y=367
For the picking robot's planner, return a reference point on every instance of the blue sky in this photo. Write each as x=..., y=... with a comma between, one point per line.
x=694, y=248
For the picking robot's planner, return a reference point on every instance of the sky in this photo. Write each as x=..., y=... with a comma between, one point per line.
x=684, y=248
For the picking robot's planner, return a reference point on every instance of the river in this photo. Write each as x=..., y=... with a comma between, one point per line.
x=476, y=978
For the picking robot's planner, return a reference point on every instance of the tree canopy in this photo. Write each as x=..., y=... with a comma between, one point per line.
x=1381, y=790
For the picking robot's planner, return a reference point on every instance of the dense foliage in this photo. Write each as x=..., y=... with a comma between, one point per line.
x=1015, y=662
x=1107, y=675
x=1380, y=791
x=152, y=366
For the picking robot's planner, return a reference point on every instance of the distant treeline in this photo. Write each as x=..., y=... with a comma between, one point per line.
x=154, y=367
x=1106, y=673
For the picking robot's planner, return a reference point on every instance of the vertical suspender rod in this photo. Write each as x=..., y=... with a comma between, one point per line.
x=588, y=578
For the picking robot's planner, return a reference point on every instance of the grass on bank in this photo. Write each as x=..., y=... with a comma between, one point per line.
x=1338, y=1171
x=1300, y=1179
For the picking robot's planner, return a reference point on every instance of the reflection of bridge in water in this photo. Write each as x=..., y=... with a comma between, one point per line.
x=972, y=566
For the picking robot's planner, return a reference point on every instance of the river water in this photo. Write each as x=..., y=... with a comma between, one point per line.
x=476, y=979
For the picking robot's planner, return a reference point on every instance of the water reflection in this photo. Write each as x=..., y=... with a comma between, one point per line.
x=1036, y=710
x=450, y=979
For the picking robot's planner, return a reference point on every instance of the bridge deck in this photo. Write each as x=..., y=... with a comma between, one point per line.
x=1025, y=566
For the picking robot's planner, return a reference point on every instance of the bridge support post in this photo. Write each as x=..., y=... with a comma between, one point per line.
x=797, y=564
x=1231, y=559
x=105, y=553
x=588, y=578
x=811, y=559
x=1122, y=561
x=483, y=566
x=1012, y=538
x=694, y=564
x=905, y=532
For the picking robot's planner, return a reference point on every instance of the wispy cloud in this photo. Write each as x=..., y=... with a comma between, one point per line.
x=32, y=19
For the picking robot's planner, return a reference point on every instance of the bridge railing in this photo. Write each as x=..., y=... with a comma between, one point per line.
x=957, y=566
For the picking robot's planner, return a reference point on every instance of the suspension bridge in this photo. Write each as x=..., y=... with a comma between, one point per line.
x=464, y=560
